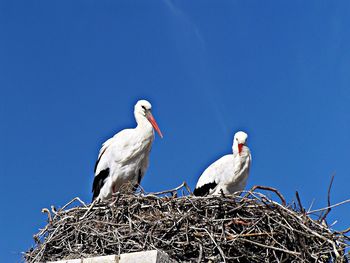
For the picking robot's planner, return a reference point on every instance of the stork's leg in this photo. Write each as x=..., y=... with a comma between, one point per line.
x=114, y=190
x=139, y=177
x=222, y=193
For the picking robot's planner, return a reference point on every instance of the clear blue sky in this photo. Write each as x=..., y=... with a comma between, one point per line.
x=71, y=71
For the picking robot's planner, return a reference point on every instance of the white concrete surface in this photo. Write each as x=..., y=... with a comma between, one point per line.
x=104, y=259
x=67, y=261
x=150, y=256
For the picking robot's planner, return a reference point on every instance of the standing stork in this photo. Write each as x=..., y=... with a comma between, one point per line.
x=123, y=159
x=229, y=174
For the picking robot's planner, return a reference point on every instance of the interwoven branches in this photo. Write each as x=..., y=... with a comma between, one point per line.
x=252, y=228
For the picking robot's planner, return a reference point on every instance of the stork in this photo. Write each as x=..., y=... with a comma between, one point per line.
x=123, y=159
x=228, y=174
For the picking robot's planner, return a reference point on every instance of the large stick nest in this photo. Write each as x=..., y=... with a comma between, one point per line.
x=252, y=228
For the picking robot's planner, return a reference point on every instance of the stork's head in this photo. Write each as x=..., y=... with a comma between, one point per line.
x=143, y=111
x=239, y=141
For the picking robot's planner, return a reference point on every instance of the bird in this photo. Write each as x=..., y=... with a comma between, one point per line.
x=228, y=174
x=124, y=158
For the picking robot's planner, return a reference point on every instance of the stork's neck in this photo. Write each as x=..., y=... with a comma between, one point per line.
x=235, y=148
x=143, y=125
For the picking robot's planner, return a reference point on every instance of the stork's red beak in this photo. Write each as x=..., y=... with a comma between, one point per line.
x=240, y=146
x=154, y=123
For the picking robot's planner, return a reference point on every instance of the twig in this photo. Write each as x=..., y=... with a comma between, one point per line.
x=328, y=200
x=88, y=211
x=331, y=206
x=216, y=245
x=184, y=184
x=45, y=210
x=271, y=247
x=267, y=188
x=299, y=202
x=200, y=253
x=312, y=203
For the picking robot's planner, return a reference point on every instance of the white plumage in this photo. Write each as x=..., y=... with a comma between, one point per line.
x=124, y=158
x=229, y=174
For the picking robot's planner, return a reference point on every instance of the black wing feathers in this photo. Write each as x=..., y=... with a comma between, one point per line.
x=98, y=160
x=99, y=182
x=204, y=189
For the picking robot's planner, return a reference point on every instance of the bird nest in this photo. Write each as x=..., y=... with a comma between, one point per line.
x=248, y=228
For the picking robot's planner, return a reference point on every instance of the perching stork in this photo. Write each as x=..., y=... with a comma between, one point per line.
x=123, y=159
x=229, y=174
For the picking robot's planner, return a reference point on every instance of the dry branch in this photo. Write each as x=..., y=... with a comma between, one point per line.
x=323, y=217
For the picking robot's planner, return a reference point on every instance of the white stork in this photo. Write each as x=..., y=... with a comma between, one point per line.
x=229, y=174
x=123, y=159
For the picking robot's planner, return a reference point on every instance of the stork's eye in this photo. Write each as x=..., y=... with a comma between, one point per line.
x=143, y=107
